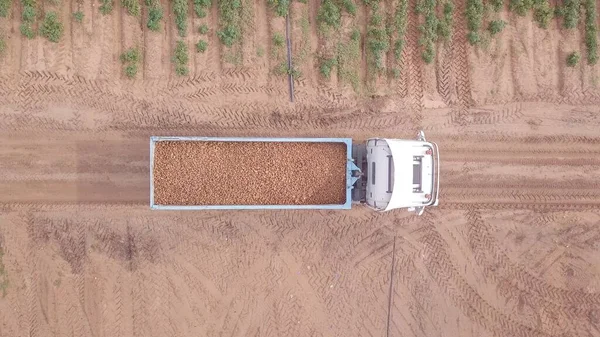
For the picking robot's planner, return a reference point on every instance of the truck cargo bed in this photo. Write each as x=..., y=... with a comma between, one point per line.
x=193, y=173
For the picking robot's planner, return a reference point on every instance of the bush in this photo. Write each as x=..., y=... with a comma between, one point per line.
x=521, y=7
x=180, y=9
x=591, y=32
x=400, y=20
x=106, y=7
x=349, y=6
x=180, y=58
x=329, y=14
x=570, y=12
x=27, y=31
x=542, y=13
x=5, y=7
x=78, y=16
x=130, y=55
x=155, y=14
x=203, y=29
x=573, y=59
x=278, y=40
x=131, y=70
x=200, y=7
x=52, y=28
x=132, y=6
x=326, y=67
x=201, y=46
x=497, y=5
x=281, y=7
x=229, y=35
x=474, y=15
x=496, y=26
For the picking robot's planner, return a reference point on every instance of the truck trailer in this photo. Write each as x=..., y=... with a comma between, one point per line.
x=209, y=173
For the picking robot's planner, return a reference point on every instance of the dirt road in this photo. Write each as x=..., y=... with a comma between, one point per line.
x=513, y=249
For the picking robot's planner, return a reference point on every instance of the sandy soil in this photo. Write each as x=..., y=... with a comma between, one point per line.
x=513, y=249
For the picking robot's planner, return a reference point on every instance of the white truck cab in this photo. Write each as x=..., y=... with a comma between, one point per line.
x=398, y=173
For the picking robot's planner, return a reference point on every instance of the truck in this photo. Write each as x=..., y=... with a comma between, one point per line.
x=229, y=173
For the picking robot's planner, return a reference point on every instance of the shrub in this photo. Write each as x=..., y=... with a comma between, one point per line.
x=130, y=55
x=106, y=7
x=281, y=7
x=229, y=35
x=180, y=58
x=201, y=46
x=132, y=6
x=278, y=40
x=329, y=14
x=521, y=7
x=573, y=59
x=203, y=29
x=571, y=13
x=591, y=32
x=230, y=18
x=349, y=6
x=542, y=13
x=78, y=16
x=200, y=7
x=496, y=26
x=131, y=70
x=52, y=28
x=326, y=67
x=155, y=14
x=400, y=20
x=497, y=5
x=5, y=7
x=180, y=8
x=474, y=15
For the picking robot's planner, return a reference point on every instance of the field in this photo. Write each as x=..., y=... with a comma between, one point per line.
x=512, y=250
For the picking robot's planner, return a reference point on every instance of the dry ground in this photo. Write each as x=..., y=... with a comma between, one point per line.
x=513, y=249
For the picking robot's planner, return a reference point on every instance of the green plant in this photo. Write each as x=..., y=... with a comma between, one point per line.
x=5, y=7
x=348, y=60
x=349, y=6
x=130, y=59
x=496, y=26
x=591, y=32
x=132, y=6
x=201, y=6
x=28, y=17
x=474, y=15
x=428, y=30
x=201, y=46
x=281, y=7
x=27, y=30
x=180, y=58
x=260, y=51
x=78, y=16
x=52, y=28
x=3, y=275
x=521, y=7
x=573, y=59
x=106, y=7
x=203, y=29
x=497, y=5
x=130, y=55
x=400, y=20
x=329, y=14
x=278, y=40
x=2, y=45
x=155, y=14
x=326, y=67
x=570, y=11
x=445, y=25
x=131, y=70
x=284, y=69
x=180, y=9
x=377, y=41
x=542, y=13
x=230, y=22
x=355, y=35
x=395, y=73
